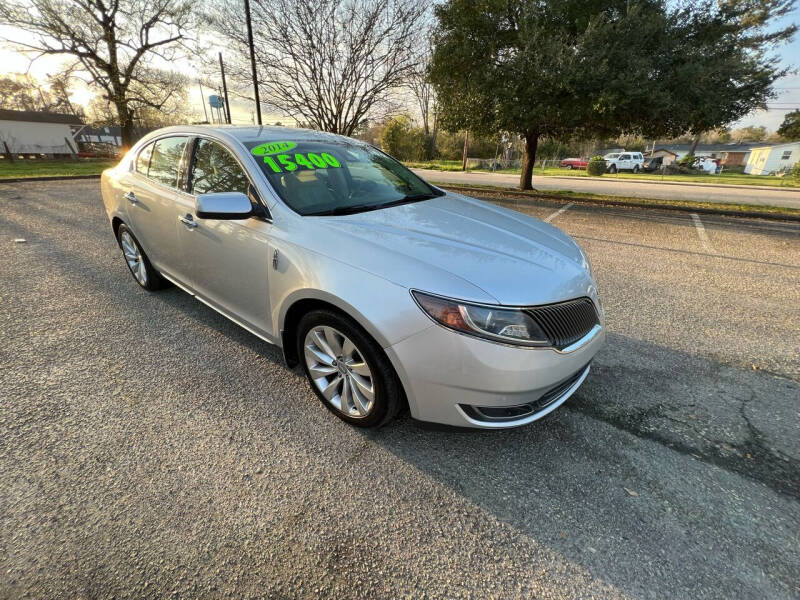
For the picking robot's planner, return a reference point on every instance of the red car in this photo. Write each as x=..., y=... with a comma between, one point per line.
x=574, y=163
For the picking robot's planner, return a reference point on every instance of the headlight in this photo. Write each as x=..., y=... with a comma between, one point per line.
x=508, y=325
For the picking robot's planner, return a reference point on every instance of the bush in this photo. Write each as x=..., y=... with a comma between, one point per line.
x=796, y=172
x=596, y=166
x=403, y=141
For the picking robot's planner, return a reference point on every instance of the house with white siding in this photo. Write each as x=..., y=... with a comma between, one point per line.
x=27, y=132
x=778, y=158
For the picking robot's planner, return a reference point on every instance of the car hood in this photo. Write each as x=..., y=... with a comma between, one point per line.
x=513, y=258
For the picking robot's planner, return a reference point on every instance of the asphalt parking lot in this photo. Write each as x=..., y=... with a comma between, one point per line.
x=151, y=448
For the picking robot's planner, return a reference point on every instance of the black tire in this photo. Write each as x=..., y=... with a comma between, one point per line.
x=569, y=167
x=612, y=169
x=388, y=391
x=635, y=169
x=152, y=280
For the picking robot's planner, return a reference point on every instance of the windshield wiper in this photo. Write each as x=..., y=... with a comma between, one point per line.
x=345, y=210
x=350, y=210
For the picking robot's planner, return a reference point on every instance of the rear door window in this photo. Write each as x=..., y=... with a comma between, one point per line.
x=165, y=161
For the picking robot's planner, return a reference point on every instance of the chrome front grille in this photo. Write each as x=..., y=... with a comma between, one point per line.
x=565, y=323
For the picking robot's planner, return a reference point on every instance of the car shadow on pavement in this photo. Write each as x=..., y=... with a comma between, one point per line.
x=665, y=471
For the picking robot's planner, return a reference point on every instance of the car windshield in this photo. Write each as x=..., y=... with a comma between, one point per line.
x=612, y=156
x=334, y=177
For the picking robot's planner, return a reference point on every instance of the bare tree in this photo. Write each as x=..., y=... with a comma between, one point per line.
x=423, y=91
x=114, y=41
x=330, y=63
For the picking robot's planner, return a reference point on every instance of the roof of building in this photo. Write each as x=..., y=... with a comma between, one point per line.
x=32, y=116
x=784, y=144
x=723, y=147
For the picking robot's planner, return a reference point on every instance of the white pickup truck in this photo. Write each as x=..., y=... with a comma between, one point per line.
x=624, y=161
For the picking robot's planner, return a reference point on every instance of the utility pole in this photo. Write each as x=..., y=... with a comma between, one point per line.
x=252, y=57
x=225, y=90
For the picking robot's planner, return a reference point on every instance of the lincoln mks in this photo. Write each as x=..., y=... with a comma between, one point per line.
x=387, y=290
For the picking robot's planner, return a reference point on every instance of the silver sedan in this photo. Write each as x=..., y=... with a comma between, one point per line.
x=389, y=291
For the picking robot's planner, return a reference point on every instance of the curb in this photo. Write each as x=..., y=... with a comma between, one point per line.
x=754, y=214
x=53, y=178
x=764, y=188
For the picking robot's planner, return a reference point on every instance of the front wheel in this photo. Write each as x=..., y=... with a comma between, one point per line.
x=569, y=167
x=347, y=369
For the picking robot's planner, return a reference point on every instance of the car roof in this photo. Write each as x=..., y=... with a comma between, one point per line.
x=250, y=133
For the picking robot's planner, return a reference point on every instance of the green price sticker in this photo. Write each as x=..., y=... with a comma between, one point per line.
x=284, y=162
x=273, y=148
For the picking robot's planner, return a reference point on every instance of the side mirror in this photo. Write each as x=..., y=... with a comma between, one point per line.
x=223, y=205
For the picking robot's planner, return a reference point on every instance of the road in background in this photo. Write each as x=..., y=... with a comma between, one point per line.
x=724, y=194
x=151, y=448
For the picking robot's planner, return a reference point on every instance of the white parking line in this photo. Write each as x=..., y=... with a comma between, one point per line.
x=701, y=233
x=563, y=209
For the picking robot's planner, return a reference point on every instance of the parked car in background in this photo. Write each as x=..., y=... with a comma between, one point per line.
x=387, y=290
x=574, y=163
x=624, y=161
x=652, y=163
x=98, y=150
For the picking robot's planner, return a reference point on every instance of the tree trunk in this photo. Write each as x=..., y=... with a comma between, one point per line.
x=466, y=150
x=695, y=141
x=526, y=176
x=125, y=118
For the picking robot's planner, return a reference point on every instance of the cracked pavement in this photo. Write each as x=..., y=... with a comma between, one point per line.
x=150, y=448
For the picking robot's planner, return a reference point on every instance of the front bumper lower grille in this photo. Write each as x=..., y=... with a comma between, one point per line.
x=512, y=413
x=567, y=322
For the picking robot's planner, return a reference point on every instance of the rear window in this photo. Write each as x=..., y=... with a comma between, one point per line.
x=339, y=175
x=143, y=160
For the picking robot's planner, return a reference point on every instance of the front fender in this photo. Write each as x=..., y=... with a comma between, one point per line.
x=384, y=309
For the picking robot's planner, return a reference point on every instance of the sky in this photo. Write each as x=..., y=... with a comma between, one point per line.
x=242, y=111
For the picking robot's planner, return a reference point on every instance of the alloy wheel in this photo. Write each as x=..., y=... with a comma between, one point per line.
x=134, y=258
x=339, y=371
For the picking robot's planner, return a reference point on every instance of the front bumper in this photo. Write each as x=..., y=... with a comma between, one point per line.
x=460, y=380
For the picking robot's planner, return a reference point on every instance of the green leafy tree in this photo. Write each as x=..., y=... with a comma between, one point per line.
x=575, y=68
x=790, y=128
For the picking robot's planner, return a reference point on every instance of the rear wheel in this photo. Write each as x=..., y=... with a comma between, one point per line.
x=635, y=168
x=569, y=167
x=137, y=261
x=612, y=169
x=347, y=369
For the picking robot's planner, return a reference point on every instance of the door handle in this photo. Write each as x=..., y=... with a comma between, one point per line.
x=188, y=221
x=131, y=197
